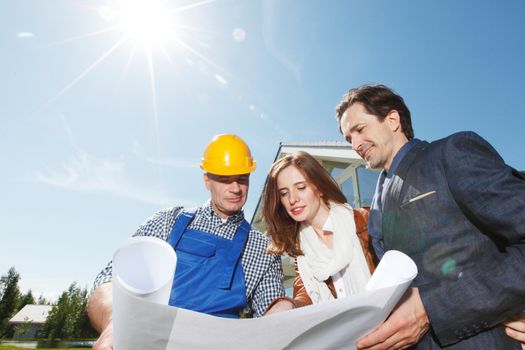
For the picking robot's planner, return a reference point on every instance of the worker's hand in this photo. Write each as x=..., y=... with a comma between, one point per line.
x=280, y=306
x=105, y=341
x=515, y=328
x=405, y=326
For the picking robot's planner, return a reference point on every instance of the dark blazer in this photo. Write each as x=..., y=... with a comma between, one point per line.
x=458, y=211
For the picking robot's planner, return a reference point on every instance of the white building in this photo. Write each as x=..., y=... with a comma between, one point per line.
x=29, y=320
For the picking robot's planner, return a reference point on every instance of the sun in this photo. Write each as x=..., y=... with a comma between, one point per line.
x=147, y=23
x=144, y=21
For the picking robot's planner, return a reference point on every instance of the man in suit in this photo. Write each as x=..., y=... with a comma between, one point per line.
x=457, y=210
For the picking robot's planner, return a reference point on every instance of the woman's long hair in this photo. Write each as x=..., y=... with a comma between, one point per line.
x=283, y=230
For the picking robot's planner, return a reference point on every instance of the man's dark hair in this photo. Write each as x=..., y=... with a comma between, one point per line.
x=378, y=100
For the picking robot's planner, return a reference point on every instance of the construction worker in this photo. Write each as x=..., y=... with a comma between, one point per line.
x=222, y=265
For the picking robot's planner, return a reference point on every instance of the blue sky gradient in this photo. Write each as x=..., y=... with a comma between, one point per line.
x=98, y=132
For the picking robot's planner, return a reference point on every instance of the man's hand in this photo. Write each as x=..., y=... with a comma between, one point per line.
x=280, y=306
x=105, y=341
x=515, y=328
x=99, y=311
x=405, y=326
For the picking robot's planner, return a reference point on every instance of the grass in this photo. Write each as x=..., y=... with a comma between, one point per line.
x=10, y=347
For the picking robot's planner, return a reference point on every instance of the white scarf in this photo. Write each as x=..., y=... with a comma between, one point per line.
x=346, y=256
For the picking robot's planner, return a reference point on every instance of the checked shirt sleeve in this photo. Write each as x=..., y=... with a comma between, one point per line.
x=269, y=288
x=158, y=225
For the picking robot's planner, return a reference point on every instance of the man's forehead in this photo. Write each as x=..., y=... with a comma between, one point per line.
x=347, y=120
x=355, y=114
x=229, y=178
x=354, y=110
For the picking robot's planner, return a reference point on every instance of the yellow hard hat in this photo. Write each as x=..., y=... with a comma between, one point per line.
x=227, y=154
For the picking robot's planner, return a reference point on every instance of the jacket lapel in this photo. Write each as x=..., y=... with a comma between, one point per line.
x=393, y=191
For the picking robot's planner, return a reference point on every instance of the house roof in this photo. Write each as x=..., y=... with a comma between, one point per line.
x=31, y=313
x=331, y=151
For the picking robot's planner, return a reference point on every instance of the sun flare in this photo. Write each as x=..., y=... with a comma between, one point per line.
x=145, y=21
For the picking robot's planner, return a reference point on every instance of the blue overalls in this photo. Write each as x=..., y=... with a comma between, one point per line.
x=209, y=276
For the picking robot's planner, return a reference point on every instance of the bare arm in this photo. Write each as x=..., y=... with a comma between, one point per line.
x=99, y=310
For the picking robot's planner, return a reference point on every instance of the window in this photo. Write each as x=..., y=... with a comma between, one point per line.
x=367, y=184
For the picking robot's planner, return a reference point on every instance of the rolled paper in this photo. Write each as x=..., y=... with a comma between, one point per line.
x=143, y=267
x=394, y=268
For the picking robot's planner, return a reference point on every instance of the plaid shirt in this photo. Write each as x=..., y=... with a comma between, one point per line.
x=263, y=272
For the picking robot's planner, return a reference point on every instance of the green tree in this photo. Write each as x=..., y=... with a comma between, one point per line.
x=68, y=317
x=26, y=299
x=9, y=301
x=43, y=301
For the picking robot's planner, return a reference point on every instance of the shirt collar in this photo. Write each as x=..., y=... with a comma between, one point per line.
x=328, y=224
x=399, y=157
x=207, y=210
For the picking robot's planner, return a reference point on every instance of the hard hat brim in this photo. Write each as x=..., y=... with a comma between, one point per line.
x=229, y=170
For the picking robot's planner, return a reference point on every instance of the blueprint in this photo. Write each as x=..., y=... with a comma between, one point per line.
x=143, y=274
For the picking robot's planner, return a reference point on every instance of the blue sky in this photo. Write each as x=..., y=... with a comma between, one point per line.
x=98, y=131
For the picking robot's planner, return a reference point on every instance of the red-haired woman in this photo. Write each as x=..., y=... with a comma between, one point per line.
x=308, y=218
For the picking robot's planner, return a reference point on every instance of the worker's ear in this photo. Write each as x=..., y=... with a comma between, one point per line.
x=206, y=181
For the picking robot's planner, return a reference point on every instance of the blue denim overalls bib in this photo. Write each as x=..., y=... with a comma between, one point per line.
x=209, y=277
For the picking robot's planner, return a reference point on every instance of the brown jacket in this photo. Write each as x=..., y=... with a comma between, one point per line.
x=300, y=296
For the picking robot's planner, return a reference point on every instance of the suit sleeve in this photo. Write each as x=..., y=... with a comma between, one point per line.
x=492, y=196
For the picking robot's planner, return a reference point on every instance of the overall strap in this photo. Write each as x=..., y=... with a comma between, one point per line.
x=232, y=258
x=182, y=221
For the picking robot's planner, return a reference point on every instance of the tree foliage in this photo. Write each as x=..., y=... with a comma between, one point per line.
x=10, y=296
x=26, y=299
x=68, y=317
x=43, y=301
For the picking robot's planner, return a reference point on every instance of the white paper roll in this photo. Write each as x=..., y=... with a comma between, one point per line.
x=145, y=267
x=394, y=268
